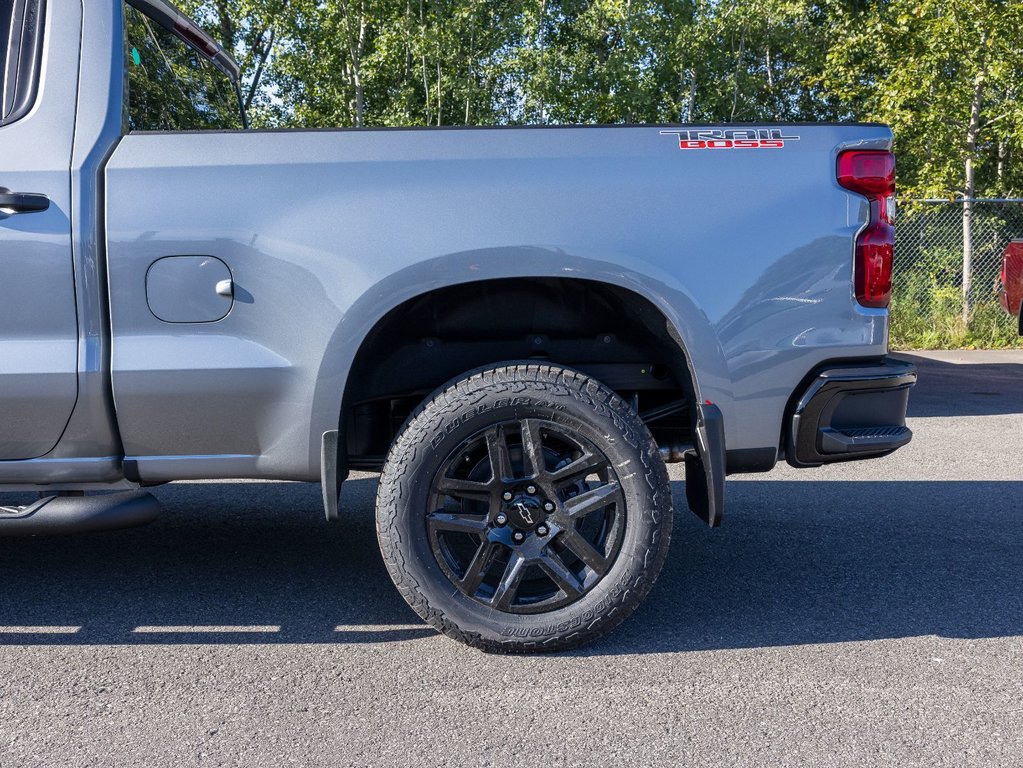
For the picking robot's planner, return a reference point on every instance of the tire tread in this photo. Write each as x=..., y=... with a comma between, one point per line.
x=516, y=379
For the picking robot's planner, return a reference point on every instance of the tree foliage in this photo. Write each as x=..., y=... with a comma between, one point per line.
x=946, y=74
x=946, y=77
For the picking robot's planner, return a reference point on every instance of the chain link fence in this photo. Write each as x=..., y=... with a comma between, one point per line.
x=947, y=268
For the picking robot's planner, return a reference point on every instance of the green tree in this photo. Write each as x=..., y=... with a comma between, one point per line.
x=945, y=76
x=251, y=30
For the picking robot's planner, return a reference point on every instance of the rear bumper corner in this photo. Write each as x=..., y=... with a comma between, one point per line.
x=849, y=412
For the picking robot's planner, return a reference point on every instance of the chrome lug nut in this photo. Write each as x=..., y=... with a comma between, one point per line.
x=548, y=506
x=530, y=489
x=518, y=537
x=501, y=519
x=507, y=495
x=542, y=530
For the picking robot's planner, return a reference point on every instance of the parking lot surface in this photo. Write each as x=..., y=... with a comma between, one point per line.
x=860, y=614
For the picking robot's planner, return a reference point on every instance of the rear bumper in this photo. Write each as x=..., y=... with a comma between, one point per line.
x=850, y=412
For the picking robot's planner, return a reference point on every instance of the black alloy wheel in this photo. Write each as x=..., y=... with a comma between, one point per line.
x=526, y=516
x=524, y=508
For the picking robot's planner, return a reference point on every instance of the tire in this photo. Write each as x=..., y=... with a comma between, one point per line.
x=550, y=550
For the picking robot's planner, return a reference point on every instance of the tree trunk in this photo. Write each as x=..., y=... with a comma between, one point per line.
x=360, y=96
x=359, y=100
x=1003, y=156
x=735, y=75
x=626, y=42
x=691, y=101
x=968, y=245
x=970, y=189
x=541, y=40
x=264, y=54
x=356, y=47
x=226, y=27
x=469, y=62
x=426, y=80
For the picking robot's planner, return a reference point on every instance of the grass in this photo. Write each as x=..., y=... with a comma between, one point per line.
x=936, y=323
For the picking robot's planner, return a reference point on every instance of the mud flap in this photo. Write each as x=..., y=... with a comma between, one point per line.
x=705, y=471
x=330, y=475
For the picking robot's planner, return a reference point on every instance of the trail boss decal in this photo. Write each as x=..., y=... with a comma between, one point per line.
x=731, y=138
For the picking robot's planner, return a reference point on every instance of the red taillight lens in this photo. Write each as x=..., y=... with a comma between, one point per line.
x=871, y=173
x=874, y=250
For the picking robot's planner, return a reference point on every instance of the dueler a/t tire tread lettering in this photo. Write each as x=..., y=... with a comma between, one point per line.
x=523, y=391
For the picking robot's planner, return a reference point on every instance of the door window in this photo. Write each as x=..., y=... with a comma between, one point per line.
x=21, y=45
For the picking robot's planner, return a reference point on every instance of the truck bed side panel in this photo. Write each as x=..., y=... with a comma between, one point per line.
x=747, y=252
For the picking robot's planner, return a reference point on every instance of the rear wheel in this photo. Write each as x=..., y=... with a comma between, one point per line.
x=524, y=508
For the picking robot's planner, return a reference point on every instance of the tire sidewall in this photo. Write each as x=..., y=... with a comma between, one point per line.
x=591, y=411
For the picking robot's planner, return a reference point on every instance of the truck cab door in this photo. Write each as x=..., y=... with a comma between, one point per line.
x=38, y=321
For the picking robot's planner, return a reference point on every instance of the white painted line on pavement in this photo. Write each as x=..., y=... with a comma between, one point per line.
x=39, y=630
x=204, y=629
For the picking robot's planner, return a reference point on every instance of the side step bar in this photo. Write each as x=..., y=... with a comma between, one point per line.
x=80, y=514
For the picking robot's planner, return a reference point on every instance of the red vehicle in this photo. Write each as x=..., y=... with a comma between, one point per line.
x=1011, y=294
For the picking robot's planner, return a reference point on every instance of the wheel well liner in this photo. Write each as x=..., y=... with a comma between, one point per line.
x=611, y=333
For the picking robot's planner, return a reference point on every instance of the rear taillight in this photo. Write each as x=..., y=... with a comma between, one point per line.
x=871, y=173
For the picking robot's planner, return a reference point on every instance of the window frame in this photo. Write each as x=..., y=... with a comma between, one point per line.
x=20, y=73
x=191, y=34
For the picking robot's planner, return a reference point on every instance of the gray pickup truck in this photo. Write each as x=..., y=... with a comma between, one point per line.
x=516, y=327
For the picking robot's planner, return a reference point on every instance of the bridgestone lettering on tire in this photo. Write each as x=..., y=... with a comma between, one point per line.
x=524, y=508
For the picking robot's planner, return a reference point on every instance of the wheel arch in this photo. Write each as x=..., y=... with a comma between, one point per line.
x=665, y=310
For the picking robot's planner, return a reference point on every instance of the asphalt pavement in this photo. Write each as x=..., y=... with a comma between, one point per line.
x=862, y=614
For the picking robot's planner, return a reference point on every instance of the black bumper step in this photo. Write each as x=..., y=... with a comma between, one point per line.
x=864, y=439
x=851, y=412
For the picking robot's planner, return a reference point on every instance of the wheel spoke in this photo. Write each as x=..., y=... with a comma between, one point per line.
x=581, y=548
x=464, y=489
x=592, y=500
x=445, y=521
x=497, y=450
x=584, y=465
x=506, y=590
x=467, y=519
x=560, y=573
x=532, y=449
x=477, y=568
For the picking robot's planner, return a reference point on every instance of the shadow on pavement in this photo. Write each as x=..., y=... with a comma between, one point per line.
x=226, y=555
x=949, y=389
x=796, y=562
x=827, y=562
